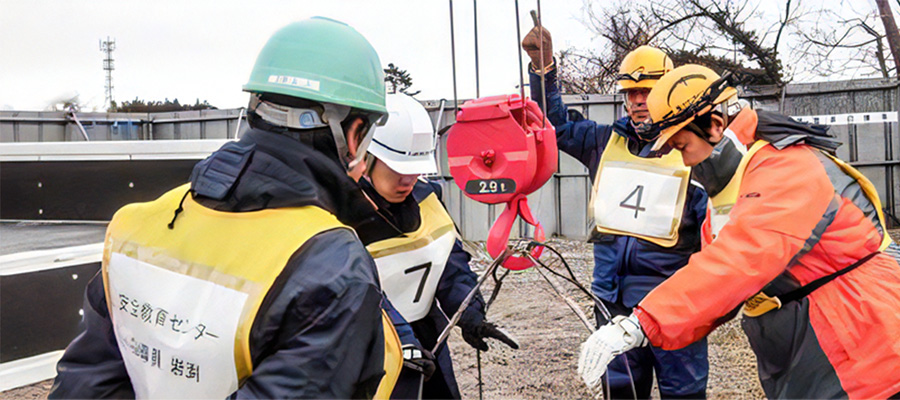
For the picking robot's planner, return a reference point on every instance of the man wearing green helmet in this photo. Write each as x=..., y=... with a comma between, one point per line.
x=250, y=281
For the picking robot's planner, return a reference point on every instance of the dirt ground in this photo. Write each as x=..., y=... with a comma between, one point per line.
x=549, y=334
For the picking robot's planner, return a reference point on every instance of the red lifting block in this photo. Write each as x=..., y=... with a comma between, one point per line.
x=499, y=150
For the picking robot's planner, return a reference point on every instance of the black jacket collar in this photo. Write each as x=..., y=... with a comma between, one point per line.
x=269, y=170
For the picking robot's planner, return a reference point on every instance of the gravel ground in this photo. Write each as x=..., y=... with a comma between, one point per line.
x=37, y=391
x=549, y=334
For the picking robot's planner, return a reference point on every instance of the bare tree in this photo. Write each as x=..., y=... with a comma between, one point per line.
x=581, y=73
x=890, y=28
x=713, y=33
x=764, y=44
x=595, y=71
x=848, y=41
x=730, y=20
x=858, y=46
x=767, y=42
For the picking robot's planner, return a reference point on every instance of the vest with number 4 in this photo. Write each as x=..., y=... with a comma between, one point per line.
x=637, y=196
x=410, y=265
x=182, y=301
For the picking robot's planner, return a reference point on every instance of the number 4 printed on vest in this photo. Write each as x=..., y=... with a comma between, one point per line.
x=638, y=191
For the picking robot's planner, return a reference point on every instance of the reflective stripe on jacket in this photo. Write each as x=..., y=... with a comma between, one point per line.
x=841, y=339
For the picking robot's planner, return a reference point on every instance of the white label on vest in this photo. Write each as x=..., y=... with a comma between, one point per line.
x=410, y=278
x=176, y=332
x=636, y=201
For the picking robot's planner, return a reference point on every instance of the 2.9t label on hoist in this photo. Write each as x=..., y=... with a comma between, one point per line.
x=491, y=186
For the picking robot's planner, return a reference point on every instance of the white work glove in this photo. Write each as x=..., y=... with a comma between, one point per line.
x=612, y=339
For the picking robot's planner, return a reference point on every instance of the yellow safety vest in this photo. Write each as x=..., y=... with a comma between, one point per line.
x=393, y=359
x=182, y=313
x=724, y=201
x=410, y=265
x=637, y=196
x=871, y=193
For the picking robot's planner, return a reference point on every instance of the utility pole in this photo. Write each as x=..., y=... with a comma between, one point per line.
x=890, y=29
x=107, y=47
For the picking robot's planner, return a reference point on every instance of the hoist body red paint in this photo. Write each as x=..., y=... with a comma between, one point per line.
x=499, y=150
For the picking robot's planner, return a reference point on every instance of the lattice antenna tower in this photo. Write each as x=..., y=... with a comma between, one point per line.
x=107, y=46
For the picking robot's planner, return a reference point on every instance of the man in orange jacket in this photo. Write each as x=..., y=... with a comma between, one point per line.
x=804, y=252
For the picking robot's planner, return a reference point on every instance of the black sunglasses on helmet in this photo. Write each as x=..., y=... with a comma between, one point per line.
x=637, y=76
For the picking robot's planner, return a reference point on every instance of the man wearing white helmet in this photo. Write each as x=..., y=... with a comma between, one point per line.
x=423, y=269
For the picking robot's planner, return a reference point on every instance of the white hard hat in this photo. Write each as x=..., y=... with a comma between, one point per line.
x=406, y=142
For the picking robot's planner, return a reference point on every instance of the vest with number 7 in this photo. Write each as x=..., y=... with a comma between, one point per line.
x=182, y=301
x=410, y=266
x=637, y=196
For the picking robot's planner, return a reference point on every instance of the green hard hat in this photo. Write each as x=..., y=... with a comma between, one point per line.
x=323, y=60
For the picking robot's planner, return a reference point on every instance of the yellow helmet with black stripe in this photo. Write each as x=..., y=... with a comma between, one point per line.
x=642, y=67
x=682, y=95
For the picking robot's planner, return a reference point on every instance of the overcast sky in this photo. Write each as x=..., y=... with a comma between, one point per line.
x=189, y=50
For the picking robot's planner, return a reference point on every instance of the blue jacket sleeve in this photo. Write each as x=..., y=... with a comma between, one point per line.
x=699, y=201
x=92, y=366
x=320, y=334
x=457, y=281
x=580, y=138
x=404, y=330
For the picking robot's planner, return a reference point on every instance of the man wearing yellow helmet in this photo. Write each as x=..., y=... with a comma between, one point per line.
x=646, y=214
x=804, y=252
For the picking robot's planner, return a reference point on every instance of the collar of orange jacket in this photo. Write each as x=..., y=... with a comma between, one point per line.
x=744, y=125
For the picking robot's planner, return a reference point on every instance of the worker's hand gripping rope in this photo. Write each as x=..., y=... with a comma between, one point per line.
x=419, y=360
x=612, y=339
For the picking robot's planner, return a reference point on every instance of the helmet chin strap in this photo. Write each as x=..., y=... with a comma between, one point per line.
x=363, y=146
x=334, y=114
x=701, y=133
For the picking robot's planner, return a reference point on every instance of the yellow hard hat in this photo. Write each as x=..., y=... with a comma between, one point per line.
x=680, y=96
x=642, y=67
